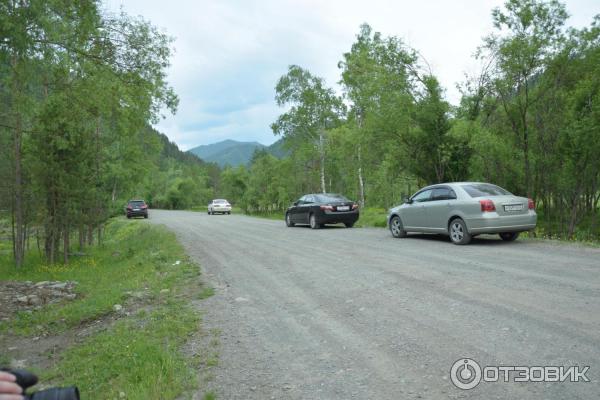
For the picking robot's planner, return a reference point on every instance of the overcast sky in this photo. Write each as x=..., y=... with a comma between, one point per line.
x=230, y=53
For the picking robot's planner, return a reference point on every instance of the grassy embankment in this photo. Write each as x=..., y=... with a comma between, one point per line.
x=137, y=352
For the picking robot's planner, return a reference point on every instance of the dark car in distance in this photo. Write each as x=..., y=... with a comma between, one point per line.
x=137, y=208
x=317, y=210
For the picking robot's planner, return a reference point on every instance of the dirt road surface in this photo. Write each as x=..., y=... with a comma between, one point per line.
x=344, y=313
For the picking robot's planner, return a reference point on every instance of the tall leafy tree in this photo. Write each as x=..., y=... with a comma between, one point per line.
x=314, y=109
x=529, y=33
x=376, y=77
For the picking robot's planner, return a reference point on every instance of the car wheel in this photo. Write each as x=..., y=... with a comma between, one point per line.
x=288, y=220
x=458, y=232
x=129, y=217
x=313, y=222
x=349, y=224
x=228, y=212
x=509, y=236
x=397, y=228
x=146, y=216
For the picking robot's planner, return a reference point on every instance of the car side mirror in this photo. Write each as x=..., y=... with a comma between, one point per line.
x=295, y=204
x=407, y=200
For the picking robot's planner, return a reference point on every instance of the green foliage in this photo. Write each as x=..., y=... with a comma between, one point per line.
x=79, y=88
x=529, y=123
x=139, y=355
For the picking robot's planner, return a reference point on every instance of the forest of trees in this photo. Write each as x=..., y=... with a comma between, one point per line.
x=80, y=89
x=530, y=122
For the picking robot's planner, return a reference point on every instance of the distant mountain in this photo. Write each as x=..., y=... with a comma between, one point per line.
x=234, y=153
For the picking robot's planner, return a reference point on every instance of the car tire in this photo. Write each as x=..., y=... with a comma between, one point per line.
x=312, y=220
x=349, y=224
x=288, y=220
x=509, y=236
x=458, y=232
x=146, y=216
x=396, y=227
x=129, y=217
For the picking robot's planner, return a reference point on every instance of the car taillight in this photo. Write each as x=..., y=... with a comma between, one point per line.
x=354, y=206
x=327, y=207
x=129, y=207
x=487, y=205
x=144, y=206
x=531, y=204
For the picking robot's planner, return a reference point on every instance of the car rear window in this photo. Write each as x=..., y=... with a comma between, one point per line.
x=484, y=189
x=327, y=198
x=136, y=203
x=220, y=201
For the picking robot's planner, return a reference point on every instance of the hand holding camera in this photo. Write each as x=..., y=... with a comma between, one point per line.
x=14, y=383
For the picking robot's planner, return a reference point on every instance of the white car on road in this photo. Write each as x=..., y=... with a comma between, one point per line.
x=220, y=206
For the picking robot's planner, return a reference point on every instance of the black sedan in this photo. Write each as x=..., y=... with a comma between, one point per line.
x=317, y=210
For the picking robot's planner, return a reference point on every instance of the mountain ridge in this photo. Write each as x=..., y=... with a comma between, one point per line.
x=233, y=153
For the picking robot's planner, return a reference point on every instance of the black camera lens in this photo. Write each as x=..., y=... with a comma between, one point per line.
x=69, y=393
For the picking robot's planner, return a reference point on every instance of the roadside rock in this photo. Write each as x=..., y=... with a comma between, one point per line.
x=27, y=296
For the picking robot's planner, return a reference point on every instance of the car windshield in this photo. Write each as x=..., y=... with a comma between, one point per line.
x=484, y=189
x=136, y=203
x=330, y=198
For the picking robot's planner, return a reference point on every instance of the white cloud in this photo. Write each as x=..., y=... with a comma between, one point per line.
x=230, y=53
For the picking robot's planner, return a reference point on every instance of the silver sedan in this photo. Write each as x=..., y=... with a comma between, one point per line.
x=463, y=210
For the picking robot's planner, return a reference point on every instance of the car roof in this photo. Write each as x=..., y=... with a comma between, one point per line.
x=136, y=200
x=323, y=194
x=455, y=184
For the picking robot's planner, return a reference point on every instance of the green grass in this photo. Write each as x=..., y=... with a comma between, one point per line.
x=372, y=217
x=205, y=293
x=139, y=354
x=140, y=358
x=133, y=256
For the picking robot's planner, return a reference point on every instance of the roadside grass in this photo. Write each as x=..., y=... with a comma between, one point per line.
x=137, y=352
x=372, y=218
x=205, y=293
x=133, y=256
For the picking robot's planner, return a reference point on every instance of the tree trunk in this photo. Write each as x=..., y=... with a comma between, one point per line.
x=81, y=237
x=361, y=183
x=573, y=217
x=18, y=212
x=66, y=244
x=90, y=235
x=114, y=192
x=527, y=167
x=322, y=159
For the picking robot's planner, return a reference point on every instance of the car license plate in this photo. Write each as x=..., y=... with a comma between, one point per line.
x=513, y=207
x=136, y=209
x=343, y=208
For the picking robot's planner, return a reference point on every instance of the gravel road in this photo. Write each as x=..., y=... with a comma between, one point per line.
x=344, y=313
